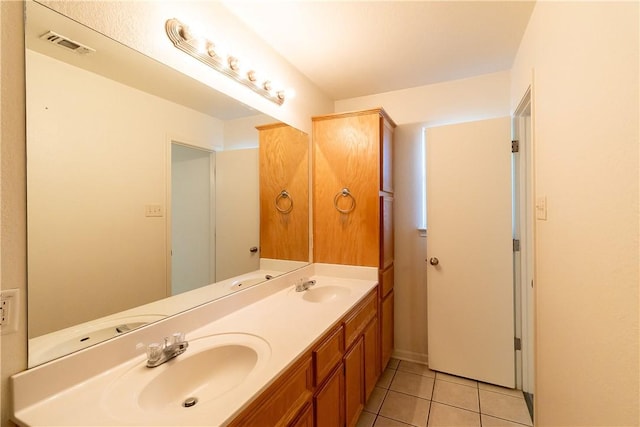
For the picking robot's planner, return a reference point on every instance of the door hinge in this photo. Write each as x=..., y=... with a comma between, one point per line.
x=517, y=344
x=515, y=146
x=516, y=245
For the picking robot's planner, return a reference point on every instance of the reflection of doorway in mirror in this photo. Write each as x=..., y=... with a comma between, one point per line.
x=192, y=218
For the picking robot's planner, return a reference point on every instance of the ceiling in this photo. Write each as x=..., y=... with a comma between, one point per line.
x=356, y=48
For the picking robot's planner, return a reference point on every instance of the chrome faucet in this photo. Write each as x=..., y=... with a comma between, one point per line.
x=157, y=354
x=304, y=283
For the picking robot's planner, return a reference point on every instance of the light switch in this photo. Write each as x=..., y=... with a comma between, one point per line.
x=153, y=211
x=541, y=208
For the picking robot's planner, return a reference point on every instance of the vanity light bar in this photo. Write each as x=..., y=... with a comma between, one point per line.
x=205, y=51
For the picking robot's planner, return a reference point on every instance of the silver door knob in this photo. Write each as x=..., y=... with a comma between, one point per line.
x=434, y=261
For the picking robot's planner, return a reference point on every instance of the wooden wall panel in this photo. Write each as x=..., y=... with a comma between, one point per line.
x=346, y=154
x=284, y=165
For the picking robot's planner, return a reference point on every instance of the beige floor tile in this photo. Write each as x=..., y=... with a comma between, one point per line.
x=416, y=368
x=393, y=363
x=497, y=389
x=454, y=379
x=506, y=407
x=448, y=416
x=489, y=421
x=413, y=384
x=407, y=409
x=385, y=379
x=375, y=400
x=366, y=419
x=388, y=422
x=459, y=395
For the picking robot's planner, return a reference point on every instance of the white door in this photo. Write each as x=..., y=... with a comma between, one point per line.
x=470, y=307
x=191, y=212
x=237, y=213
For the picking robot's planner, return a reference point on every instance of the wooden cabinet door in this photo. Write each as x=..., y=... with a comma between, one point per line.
x=284, y=219
x=329, y=401
x=386, y=318
x=386, y=157
x=386, y=231
x=371, y=357
x=305, y=419
x=346, y=154
x=354, y=382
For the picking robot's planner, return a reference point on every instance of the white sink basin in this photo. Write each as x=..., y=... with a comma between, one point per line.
x=211, y=367
x=246, y=283
x=325, y=293
x=60, y=343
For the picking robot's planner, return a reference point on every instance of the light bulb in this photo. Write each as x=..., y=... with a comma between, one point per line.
x=234, y=64
x=211, y=49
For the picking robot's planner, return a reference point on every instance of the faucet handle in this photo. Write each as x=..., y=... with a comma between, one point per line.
x=154, y=352
x=177, y=338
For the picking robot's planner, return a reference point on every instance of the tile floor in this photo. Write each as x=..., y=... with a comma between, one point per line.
x=411, y=394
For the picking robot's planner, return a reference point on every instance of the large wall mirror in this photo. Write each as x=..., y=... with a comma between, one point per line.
x=144, y=192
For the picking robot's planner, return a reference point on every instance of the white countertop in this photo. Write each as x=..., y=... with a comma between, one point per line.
x=75, y=387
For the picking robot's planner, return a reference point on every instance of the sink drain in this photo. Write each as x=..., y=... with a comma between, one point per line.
x=189, y=402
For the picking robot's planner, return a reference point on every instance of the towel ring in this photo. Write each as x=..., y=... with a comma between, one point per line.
x=284, y=194
x=344, y=193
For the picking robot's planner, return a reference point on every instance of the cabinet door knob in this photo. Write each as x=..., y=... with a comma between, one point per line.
x=434, y=261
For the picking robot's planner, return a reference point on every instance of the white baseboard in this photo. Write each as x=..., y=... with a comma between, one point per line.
x=410, y=356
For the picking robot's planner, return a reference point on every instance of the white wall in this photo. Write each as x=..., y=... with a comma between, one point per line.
x=96, y=157
x=584, y=59
x=140, y=25
x=477, y=98
x=465, y=100
x=13, y=219
x=241, y=133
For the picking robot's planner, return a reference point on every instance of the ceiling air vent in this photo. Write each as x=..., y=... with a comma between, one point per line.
x=66, y=43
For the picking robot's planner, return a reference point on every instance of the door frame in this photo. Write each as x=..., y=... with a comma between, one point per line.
x=524, y=215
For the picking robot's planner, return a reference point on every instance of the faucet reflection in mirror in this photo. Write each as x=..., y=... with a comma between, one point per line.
x=207, y=52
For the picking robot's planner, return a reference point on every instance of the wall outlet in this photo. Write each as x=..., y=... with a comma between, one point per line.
x=153, y=211
x=9, y=311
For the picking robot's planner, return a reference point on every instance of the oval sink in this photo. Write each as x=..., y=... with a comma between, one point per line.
x=325, y=293
x=200, y=376
x=210, y=368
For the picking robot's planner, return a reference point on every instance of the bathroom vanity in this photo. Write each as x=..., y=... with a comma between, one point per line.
x=267, y=355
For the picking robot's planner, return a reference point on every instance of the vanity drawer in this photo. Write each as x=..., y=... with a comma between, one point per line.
x=328, y=354
x=283, y=402
x=359, y=317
